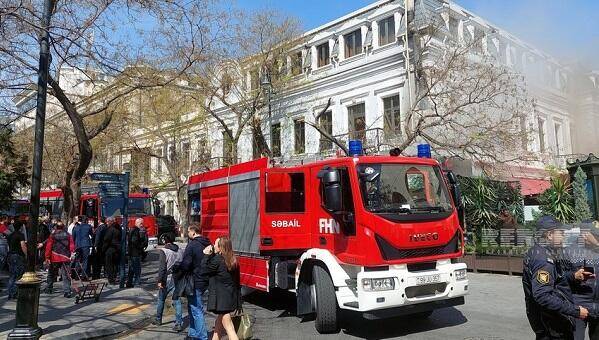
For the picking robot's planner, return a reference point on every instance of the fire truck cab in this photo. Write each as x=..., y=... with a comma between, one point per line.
x=376, y=235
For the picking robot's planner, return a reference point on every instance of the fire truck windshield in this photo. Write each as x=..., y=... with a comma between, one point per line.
x=403, y=189
x=137, y=206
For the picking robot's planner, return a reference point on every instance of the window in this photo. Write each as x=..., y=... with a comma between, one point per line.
x=299, y=131
x=254, y=80
x=285, y=192
x=357, y=121
x=170, y=208
x=392, y=115
x=296, y=63
x=323, y=54
x=227, y=149
x=558, y=138
x=386, y=31
x=186, y=148
x=159, y=161
x=353, y=43
x=195, y=207
x=326, y=122
x=275, y=139
x=541, y=127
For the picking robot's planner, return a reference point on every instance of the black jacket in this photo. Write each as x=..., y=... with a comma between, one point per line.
x=112, y=238
x=99, y=236
x=225, y=290
x=134, y=243
x=192, y=261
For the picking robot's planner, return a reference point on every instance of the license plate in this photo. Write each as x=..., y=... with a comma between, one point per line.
x=427, y=279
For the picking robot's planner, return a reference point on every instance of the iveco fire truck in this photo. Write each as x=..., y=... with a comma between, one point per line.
x=378, y=235
x=94, y=205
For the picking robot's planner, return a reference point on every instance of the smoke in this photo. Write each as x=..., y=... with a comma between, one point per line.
x=565, y=29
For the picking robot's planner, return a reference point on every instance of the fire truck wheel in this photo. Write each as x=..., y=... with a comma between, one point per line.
x=325, y=301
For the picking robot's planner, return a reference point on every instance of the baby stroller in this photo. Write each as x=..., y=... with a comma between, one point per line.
x=81, y=284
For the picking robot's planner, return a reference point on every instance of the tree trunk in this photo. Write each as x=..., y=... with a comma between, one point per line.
x=263, y=148
x=182, y=205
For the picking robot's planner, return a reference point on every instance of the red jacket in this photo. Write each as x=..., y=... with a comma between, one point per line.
x=56, y=250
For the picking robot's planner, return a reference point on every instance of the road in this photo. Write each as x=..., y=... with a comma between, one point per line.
x=494, y=310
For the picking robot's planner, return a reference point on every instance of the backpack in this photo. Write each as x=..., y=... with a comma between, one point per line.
x=143, y=234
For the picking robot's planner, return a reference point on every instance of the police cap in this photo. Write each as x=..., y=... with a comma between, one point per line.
x=547, y=223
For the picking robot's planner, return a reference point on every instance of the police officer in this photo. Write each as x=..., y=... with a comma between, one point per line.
x=549, y=302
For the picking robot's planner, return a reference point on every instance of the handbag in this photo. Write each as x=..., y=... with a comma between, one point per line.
x=243, y=324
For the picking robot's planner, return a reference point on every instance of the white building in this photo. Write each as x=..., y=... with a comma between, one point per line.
x=359, y=61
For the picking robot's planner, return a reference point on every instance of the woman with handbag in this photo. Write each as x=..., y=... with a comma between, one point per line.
x=224, y=297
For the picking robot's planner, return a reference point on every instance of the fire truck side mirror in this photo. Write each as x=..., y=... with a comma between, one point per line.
x=331, y=193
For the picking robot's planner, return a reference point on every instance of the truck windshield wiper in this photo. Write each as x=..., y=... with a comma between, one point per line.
x=431, y=209
x=392, y=210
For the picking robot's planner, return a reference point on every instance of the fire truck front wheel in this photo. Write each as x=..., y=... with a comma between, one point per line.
x=325, y=301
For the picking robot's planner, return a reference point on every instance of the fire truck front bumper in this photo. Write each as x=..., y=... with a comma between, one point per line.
x=399, y=291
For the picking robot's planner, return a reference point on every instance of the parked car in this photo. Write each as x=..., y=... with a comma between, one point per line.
x=166, y=225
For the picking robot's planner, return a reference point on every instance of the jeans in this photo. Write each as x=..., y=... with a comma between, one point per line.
x=134, y=273
x=162, y=294
x=66, y=278
x=84, y=252
x=197, y=326
x=3, y=253
x=111, y=258
x=16, y=268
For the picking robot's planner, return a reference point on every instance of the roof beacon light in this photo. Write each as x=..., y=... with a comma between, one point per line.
x=355, y=148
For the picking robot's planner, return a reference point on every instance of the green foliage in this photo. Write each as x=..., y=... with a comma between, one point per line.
x=485, y=200
x=582, y=210
x=13, y=168
x=557, y=200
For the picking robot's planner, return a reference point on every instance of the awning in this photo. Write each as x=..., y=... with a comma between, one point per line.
x=531, y=186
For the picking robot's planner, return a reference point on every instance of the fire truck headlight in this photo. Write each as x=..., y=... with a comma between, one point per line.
x=460, y=274
x=387, y=283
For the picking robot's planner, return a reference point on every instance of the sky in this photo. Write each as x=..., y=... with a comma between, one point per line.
x=566, y=29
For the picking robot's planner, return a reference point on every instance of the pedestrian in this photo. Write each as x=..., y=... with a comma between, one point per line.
x=99, y=254
x=143, y=233
x=222, y=269
x=586, y=293
x=59, y=248
x=17, y=253
x=82, y=234
x=192, y=263
x=550, y=306
x=3, y=242
x=42, y=236
x=73, y=224
x=134, y=251
x=168, y=257
x=111, y=248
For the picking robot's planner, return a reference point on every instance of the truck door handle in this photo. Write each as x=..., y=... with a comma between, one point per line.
x=267, y=241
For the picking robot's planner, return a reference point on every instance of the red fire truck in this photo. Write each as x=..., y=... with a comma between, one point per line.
x=378, y=235
x=93, y=205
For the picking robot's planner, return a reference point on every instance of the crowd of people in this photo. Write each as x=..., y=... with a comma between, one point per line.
x=199, y=270
x=91, y=250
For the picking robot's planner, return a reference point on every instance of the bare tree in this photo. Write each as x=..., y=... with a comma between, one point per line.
x=167, y=128
x=262, y=57
x=100, y=39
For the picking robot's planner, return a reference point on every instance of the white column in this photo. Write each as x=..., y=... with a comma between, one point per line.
x=341, y=47
x=314, y=56
x=375, y=34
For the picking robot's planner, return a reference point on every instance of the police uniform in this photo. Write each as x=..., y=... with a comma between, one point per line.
x=550, y=308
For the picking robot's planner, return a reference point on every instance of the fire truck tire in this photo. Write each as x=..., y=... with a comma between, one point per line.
x=325, y=301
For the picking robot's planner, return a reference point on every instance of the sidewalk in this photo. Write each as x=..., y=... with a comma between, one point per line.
x=117, y=311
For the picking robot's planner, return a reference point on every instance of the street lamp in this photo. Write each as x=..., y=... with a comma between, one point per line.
x=26, y=326
x=267, y=85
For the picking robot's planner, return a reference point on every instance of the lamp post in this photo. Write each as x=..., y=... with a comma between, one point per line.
x=26, y=326
x=266, y=84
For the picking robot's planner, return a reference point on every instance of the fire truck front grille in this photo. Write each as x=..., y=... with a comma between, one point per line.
x=425, y=290
x=389, y=252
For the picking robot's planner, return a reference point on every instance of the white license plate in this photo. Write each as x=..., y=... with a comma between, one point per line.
x=427, y=279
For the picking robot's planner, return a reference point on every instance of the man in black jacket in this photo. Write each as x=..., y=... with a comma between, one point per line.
x=111, y=247
x=134, y=249
x=99, y=254
x=191, y=263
